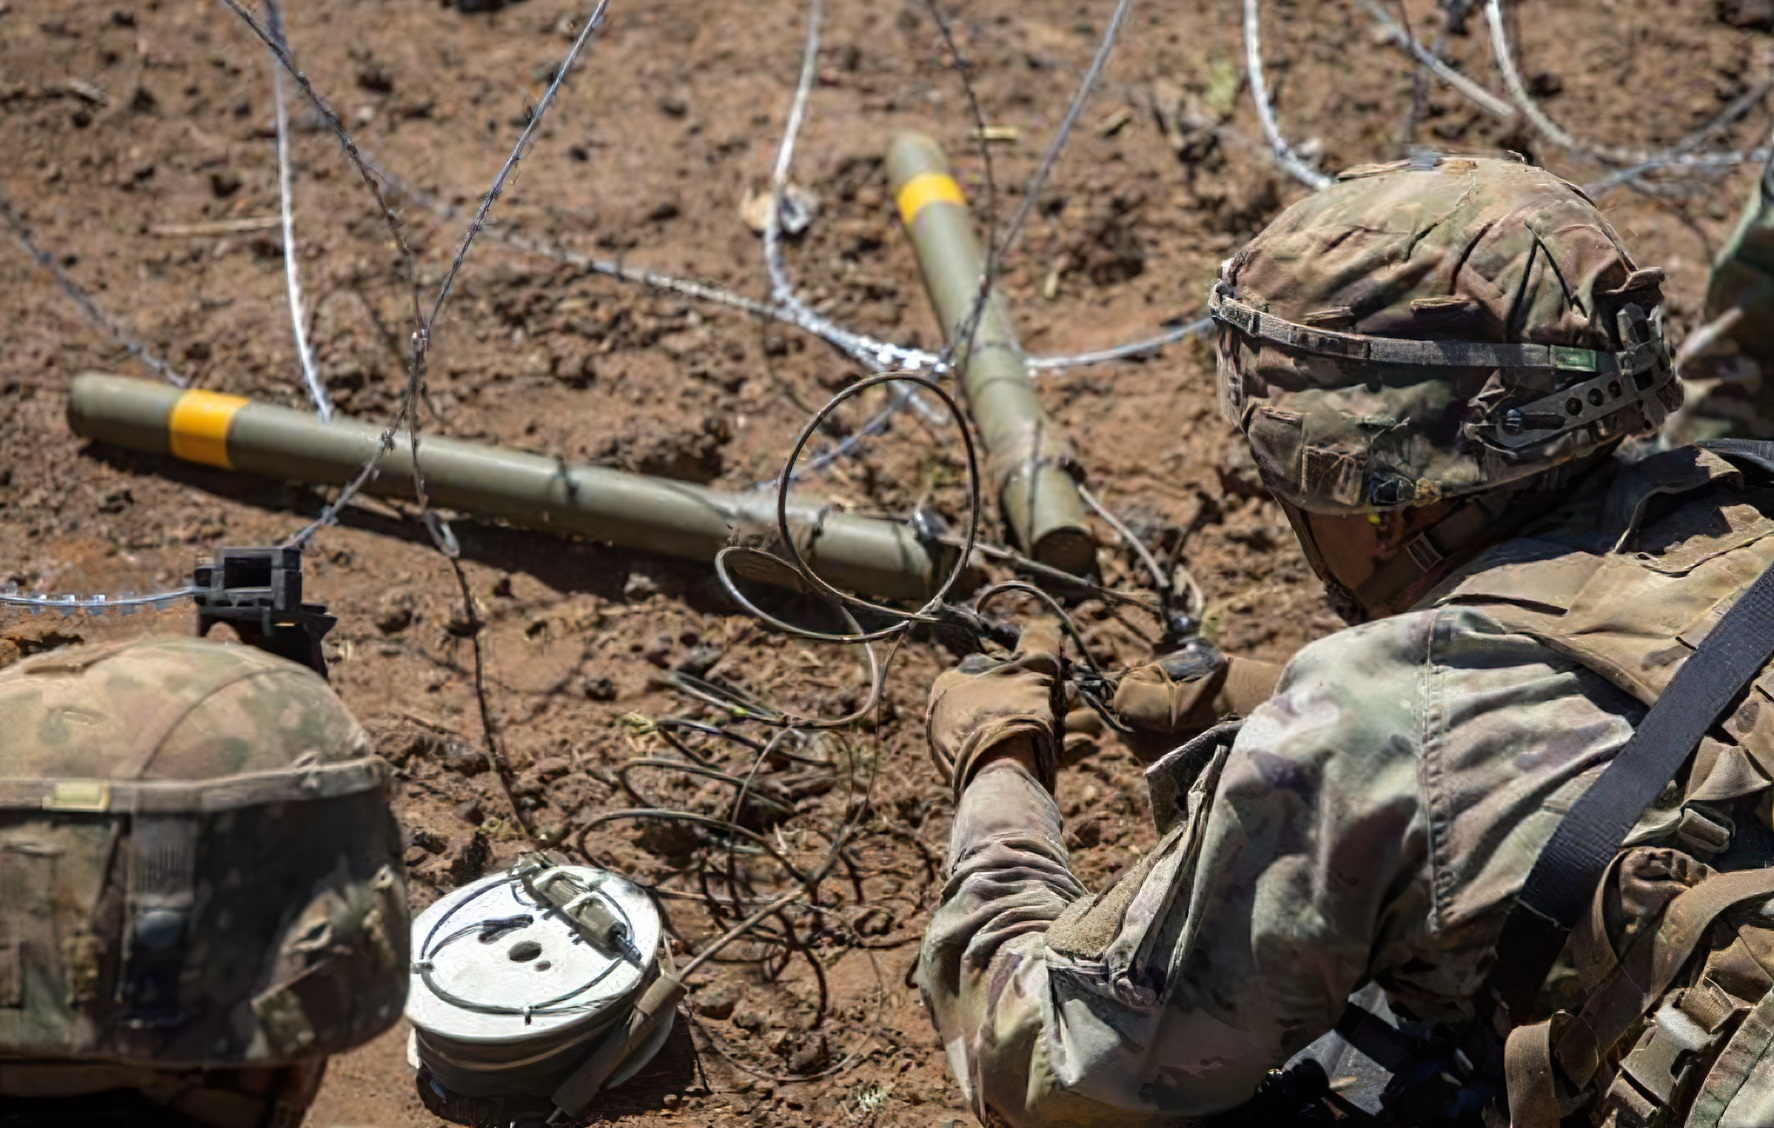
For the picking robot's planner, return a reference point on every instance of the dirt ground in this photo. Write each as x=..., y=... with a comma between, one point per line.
x=128, y=132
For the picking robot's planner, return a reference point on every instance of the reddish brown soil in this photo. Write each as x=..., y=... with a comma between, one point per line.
x=115, y=124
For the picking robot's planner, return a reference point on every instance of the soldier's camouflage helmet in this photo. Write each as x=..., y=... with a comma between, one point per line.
x=200, y=879
x=1433, y=328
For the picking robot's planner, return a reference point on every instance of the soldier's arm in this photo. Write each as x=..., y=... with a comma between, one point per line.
x=1230, y=947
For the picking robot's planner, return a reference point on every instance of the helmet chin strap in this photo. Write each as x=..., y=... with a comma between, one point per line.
x=1342, y=598
x=1400, y=576
x=1475, y=523
x=1344, y=602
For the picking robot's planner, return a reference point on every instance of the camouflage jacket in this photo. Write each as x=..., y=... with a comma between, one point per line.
x=1371, y=822
x=1356, y=829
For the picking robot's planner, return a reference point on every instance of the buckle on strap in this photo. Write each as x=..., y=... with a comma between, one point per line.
x=1666, y=1052
x=1585, y=402
x=1424, y=553
x=1221, y=307
x=1572, y=359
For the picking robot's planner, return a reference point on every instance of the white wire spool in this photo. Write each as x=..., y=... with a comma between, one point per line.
x=508, y=995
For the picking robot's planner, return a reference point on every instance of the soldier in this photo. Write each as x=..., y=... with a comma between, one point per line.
x=1724, y=362
x=200, y=887
x=1433, y=362
x=1721, y=363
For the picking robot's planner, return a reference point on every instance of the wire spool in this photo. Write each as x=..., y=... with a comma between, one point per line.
x=517, y=977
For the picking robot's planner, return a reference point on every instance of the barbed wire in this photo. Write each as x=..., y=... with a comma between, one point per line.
x=962, y=335
x=424, y=325
x=861, y=346
x=1677, y=152
x=786, y=304
x=124, y=603
x=292, y=271
x=1401, y=38
x=406, y=414
x=1146, y=346
x=936, y=610
x=95, y=314
x=435, y=526
x=1638, y=163
x=353, y=154
x=1031, y=190
x=593, y=23
x=879, y=353
x=904, y=393
x=963, y=67
x=1279, y=148
x=782, y=290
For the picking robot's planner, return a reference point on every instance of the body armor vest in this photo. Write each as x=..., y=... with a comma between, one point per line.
x=1663, y=1010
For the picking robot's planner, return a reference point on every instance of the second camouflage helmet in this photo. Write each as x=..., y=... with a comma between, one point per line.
x=1434, y=328
x=199, y=868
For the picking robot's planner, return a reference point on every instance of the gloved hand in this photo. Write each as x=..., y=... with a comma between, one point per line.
x=986, y=703
x=1186, y=693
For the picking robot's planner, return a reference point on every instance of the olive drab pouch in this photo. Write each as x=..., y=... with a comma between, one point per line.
x=1676, y=1025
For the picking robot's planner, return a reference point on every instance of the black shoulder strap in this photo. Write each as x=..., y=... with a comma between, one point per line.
x=1757, y=452
x=1559, y=887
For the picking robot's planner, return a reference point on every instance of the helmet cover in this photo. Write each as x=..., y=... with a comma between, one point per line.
x=1434, y=328
x=199, y=867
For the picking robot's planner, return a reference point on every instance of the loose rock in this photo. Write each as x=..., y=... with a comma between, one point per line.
x=470, y=858
x=716, y=1000
x=395, y=612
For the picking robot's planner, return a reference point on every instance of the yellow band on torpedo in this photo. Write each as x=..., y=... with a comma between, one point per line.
x=197, y=427
x=927, y=188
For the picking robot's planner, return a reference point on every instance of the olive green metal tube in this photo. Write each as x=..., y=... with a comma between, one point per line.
x=1038, y=498
x=866, y=554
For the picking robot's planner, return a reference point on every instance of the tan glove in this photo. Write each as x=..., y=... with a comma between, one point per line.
x=1187, y=693
x=985, y=703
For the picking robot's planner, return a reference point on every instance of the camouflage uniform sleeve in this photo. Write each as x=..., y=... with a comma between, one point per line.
x=1229, y=947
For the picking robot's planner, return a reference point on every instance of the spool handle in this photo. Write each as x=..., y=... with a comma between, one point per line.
x=586, y=1081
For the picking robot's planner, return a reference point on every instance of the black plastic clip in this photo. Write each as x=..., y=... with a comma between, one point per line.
x=258, y=592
